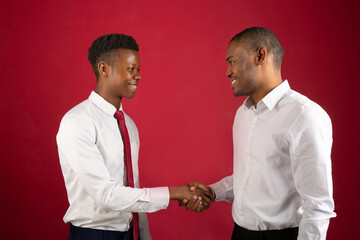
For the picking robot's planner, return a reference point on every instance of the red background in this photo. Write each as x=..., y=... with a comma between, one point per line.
x=184, y=106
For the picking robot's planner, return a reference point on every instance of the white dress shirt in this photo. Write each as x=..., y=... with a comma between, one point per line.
x=282, y=166
x=91, y=155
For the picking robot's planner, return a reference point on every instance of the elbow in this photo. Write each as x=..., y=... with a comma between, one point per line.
x=107, y=201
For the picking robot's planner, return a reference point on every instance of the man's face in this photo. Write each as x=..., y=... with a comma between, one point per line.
x=241, y=69
x=124, y=74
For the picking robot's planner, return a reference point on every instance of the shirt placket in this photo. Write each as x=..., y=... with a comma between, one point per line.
x=248, y=163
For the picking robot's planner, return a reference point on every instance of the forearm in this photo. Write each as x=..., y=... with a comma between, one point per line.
x=314, y=227
x=129, y=199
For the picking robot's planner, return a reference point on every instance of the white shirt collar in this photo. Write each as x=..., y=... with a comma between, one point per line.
x=272, y=98
x=104, y=105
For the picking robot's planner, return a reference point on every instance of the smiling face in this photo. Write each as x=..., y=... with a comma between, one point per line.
x=242, y=69
x=123, y=75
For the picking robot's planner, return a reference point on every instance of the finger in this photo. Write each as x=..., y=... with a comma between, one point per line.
x=206, y=201
x=192, y=188
x=205, y=204
x=201, y=201
x=183, y=202
x=199, y=207
x=205, y=189
x=202, y=186
x=191, y=203
x=193, y=184
x=205, y=196
x=196, y=205
x=208, y=193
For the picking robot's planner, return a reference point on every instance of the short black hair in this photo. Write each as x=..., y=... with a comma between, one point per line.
x=103, y=48
x=256, y=37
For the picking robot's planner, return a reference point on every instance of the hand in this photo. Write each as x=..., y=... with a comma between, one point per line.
x=183, y=193
x=206, y=193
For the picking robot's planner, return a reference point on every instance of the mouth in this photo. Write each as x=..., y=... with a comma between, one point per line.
x=133, y=86
x=233, y=83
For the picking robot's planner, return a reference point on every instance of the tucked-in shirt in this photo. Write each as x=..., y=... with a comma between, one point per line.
x=282, y=166
x=91, y=155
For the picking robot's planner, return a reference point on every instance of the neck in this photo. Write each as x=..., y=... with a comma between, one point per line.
x=115, y=101
x=268, y=85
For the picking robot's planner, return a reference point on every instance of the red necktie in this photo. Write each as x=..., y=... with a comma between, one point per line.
x=119, y=115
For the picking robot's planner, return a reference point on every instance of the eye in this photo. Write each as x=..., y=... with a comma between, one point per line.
x=130, y=69
x=231, y=62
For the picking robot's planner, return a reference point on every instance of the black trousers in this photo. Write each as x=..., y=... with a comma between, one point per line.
x=240, y=233
x=79, y=233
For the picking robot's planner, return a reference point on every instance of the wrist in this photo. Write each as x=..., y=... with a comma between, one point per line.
x=173, y=192
x=213, y=193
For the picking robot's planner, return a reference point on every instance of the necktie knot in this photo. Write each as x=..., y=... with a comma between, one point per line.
x=119, y=115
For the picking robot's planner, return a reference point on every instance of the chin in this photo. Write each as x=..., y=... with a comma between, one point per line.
x=130, y=96
x=237, y=93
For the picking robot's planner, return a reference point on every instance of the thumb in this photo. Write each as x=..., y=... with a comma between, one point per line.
x=183, y=202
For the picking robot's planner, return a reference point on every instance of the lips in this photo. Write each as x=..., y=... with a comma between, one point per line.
x=232, y=83
x=133, y=86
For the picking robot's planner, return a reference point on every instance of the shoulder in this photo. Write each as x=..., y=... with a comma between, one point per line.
x=77, y=120
x=79, y=113
x=307, y=112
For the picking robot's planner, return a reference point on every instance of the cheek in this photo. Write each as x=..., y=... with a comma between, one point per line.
x=122, y=78
x=248, y=72
x=241, y=73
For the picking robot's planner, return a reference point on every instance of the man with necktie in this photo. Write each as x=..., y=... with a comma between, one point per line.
x=98, y=148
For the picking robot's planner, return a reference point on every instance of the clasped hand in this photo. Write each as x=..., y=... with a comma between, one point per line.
x=196, y=196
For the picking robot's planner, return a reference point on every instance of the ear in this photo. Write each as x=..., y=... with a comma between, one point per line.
x=261, y=55
x=103, y=69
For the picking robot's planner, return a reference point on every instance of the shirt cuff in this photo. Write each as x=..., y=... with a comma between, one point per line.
x=219, y=190
x=160, y=197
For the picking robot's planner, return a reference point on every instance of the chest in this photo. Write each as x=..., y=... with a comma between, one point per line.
x=262, y=138
x=110, y=144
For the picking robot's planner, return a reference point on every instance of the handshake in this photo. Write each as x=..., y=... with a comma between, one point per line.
x=196, y=196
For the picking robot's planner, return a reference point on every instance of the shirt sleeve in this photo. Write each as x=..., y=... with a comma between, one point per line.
x=76, y=141
x=310, y=150
x=224, y=189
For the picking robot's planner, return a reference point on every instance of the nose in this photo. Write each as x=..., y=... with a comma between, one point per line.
x=137, y=76
x=228, y=72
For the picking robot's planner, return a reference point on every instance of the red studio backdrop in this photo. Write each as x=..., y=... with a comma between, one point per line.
x=183, y=95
